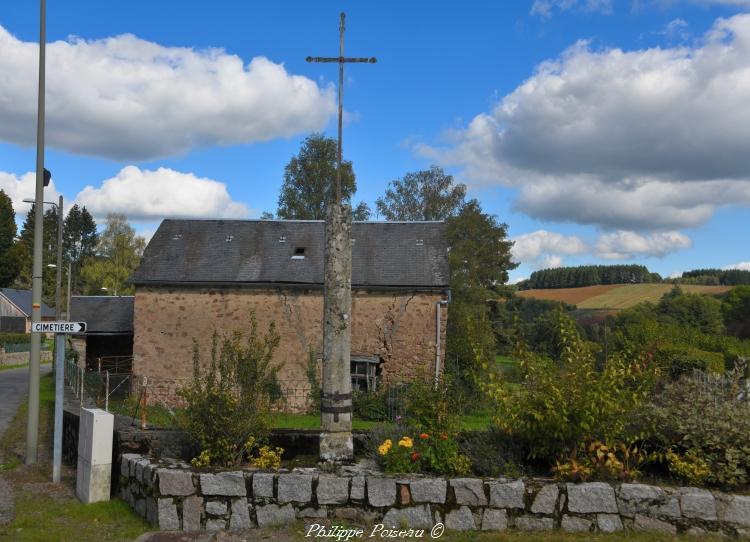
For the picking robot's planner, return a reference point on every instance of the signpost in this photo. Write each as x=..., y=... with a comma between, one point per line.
x=60, y=328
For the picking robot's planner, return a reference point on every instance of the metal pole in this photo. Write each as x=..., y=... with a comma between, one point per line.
x=106, y=392
x=32, y=424
x=59, y=398
x=67, y=309
x=341, y=105
x=80, y=395
x=58, y=273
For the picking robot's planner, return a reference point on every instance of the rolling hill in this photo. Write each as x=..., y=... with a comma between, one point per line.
x=616, y=296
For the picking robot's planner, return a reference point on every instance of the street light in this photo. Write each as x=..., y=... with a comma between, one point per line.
x=67, y=297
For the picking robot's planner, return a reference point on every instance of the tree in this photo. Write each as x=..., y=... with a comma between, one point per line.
x=49, y=253
x=736, y=309
x=118, y=253
x=310, y=182
x=79, y=241
x=10, y=263
x=422, y=195
x=479, y=261
x=480, y=256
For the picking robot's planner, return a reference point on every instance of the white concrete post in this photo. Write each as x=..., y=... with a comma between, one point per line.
x=94, y=473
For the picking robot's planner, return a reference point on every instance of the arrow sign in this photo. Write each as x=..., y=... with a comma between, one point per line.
x=58, y=327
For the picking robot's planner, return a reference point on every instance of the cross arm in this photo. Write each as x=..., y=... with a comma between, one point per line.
x=371, y=60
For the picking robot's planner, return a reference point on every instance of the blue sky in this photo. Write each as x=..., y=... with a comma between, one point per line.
x=600, y=131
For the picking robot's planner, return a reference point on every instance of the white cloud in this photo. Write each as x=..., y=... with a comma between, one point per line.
x=550, y=261
x=544, y=8
x=144, y=195
x=23, y=187
x=627, y=244
x=544, y=249
x=647, y=139
x=744, y=266
x=130, y=99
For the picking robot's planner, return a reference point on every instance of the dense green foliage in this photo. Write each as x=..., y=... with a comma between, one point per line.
x=726, y=277
x=702, y=420
x=569, y=402
x=228, y=402
x=310, y=182
x=588, y=275
x=80, y=240
x=14, y=338
x=736, y=310
x=118, y=253
x=10, y=263
x=422, y=195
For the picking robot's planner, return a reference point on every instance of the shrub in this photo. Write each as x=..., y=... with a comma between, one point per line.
x=704, y=420
x=14, y=338
x=564, y=403
x=228, y=403
x=370, y=405
x=438, y=454
x=492, y=453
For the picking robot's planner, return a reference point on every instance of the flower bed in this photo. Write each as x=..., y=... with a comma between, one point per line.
x=173, y=496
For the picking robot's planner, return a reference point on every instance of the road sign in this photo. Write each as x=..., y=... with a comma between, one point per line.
x=58, y=327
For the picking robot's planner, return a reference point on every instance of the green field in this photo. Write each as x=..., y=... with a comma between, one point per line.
x=616, y=296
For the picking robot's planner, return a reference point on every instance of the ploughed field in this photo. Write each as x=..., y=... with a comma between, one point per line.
x=616, y=296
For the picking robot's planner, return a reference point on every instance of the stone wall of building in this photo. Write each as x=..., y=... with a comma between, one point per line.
x=173, y=497
x=397, y=326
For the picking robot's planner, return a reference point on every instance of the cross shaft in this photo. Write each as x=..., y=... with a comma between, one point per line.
x=341, y=60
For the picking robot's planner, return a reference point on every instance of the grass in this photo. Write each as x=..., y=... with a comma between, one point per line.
x=45, y=518
x=19, y=365
x=616, y=296
x=47, y=511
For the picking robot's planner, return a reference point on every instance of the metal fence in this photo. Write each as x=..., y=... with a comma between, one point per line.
x=94, y=388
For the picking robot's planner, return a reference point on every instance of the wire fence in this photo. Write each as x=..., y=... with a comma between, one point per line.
x=94, y=388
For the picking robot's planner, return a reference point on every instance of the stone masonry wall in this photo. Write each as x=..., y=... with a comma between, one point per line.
x=173, y=497
x=399, y=327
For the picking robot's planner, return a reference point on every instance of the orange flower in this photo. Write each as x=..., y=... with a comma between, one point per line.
x=415, y=456
x=443, y=436
x=424, y=436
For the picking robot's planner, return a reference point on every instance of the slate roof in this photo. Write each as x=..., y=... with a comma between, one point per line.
x=385, y=254
x=22, y=300
x=103, y=314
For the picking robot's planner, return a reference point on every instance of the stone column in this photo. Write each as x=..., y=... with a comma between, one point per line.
x=336, y=407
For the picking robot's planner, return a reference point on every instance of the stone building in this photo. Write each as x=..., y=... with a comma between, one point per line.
x=197, y=276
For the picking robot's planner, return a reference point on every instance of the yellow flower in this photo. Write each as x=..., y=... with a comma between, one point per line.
x=385, y=447
x=406, y=442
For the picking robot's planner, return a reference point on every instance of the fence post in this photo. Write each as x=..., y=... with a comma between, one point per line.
x=106, y=393
x=82, y=379
x=143, y=402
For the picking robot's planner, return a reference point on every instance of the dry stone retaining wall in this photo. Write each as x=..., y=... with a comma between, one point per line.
x=173, y=497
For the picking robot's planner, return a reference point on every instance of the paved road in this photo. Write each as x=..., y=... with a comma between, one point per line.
x=14, y=386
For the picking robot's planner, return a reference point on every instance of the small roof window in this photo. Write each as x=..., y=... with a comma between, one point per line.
x=299, y=253
x=282, y=239
x=229, y=238
x=420, y=242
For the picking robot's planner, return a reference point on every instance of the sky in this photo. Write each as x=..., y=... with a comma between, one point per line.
x=599, y=131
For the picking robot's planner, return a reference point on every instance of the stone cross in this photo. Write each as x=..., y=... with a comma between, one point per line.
x=336, y=405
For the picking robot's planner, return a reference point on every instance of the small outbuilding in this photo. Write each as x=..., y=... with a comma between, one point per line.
x=108, y=341
x=15, y=311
